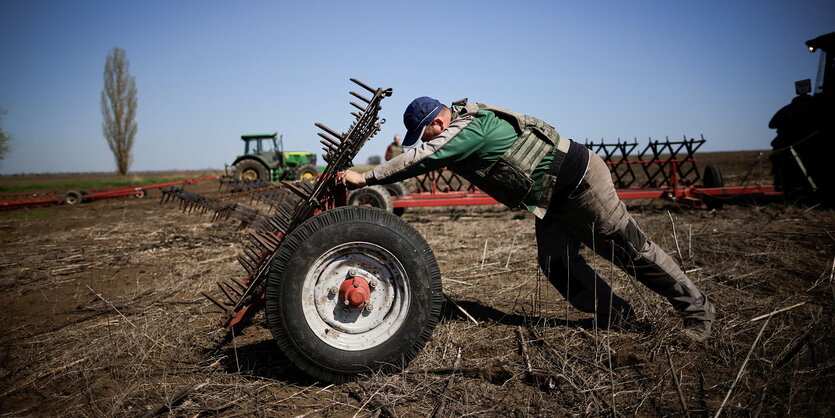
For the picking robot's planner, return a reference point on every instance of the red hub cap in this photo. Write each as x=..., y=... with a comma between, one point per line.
x=354, y=292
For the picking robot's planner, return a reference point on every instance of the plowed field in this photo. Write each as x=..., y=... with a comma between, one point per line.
x=101, y=316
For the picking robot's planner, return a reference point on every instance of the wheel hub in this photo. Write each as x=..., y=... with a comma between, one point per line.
x=354, y=292
x=249, y=175
x=358, y=296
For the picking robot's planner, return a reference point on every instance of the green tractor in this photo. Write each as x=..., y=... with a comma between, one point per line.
x=264, y=159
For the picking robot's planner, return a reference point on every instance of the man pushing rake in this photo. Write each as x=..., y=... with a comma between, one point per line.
x=523, y=162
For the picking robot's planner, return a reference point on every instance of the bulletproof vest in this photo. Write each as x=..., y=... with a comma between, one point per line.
x=508, y=179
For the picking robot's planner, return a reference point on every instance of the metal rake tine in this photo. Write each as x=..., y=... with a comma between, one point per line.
x=357, y=106
x=225, y=293
x=245, y=263
x=237, y=282
x=274, y=239
x=336, y=135
x=252, y=254
x=299, y=191
x=358, y=96
x=213, y=300
x=363, y=85
x=278, y=227
x=330, y=140
x=236, y=291
x=255, y=242
x=331, y=144
x=328, y=148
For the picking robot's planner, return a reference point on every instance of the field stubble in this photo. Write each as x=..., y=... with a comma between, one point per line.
x=102, y=316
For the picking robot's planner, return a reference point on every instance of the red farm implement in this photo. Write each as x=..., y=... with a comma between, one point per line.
x=350, y=289
x=73, y=197
x=662, y=169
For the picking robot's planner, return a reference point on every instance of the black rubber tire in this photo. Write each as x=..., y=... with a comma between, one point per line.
x=712, y=177
x=307, y=172
x=375, y=196
x=397, y=189
x=73, y=197
x=301, y=251
x=251, y=170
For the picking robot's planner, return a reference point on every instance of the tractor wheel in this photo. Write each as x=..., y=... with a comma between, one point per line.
x=375, y=196
x=73, y=197
x=712, y=177
x=140, y=194
x=397, y=189
x=251, y=170
x=353, y=290
x=308, y=173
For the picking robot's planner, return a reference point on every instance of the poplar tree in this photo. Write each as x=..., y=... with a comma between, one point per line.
x=5, y=139
x=118, y=107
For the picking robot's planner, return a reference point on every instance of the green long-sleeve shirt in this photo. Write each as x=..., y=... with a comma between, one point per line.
x=471, y=142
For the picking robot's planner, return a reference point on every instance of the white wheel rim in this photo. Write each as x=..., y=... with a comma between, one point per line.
x=355, y=329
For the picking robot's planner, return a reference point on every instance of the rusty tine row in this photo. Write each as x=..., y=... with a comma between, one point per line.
x=333, y=142
x=236, y=185
x=190, y=202
x=228, y=288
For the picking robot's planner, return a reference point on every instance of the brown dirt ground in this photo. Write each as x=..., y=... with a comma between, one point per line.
x=102, y=316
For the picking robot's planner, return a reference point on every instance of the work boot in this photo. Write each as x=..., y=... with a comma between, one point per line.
x=696, y=329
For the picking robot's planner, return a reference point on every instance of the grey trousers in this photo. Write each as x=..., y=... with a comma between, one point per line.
x=594, y=215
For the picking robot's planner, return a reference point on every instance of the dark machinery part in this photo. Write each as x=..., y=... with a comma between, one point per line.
x=805, y=139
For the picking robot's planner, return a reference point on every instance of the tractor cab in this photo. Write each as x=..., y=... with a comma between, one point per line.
x=266, y=146
x=826, y=66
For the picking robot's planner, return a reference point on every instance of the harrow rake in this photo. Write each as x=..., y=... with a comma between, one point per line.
x=663, y=164
x=291, y=204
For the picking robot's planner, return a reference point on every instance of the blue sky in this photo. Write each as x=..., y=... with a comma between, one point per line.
x=209, y=71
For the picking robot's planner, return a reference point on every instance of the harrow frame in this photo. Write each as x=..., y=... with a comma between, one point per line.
x=661, y=170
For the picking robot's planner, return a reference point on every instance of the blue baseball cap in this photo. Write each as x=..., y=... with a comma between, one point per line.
x=417, y=115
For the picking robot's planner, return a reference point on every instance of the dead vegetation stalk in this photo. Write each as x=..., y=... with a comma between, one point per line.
x=741, y=368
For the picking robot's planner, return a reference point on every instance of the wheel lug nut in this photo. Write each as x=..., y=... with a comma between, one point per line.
x=346, y=303
x=372, y=283
x=352, y=272
x=369, y=307
x=333, y=291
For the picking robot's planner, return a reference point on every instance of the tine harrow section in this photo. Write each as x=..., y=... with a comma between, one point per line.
x=291, y=203
x=662, y=163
